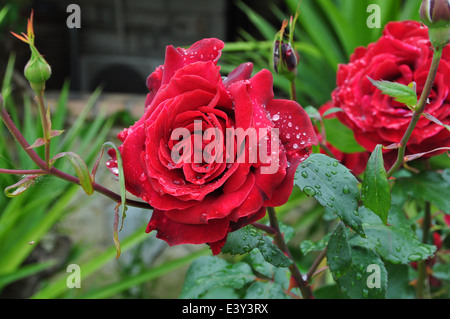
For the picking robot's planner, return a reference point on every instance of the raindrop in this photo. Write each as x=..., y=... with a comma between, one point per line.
x=304, y=174
x=346, y=190
x=415, y=257
x=309, y=191
x=276, y=117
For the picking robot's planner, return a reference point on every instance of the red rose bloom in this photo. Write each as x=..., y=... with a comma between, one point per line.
x=201, y=202
x=403, y=54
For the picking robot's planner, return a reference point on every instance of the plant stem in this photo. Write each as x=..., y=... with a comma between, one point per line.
x=279, y=240
x=293, y=91
x=267, y=229
x=46, y=127
x=45, y=169
x=421, y=286
x=418, y=111
x=316, y=263
x=22, y=171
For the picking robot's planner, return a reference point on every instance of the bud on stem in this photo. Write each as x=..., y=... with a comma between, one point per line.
x=37, y=70
x=435, y=14
x=284, y=57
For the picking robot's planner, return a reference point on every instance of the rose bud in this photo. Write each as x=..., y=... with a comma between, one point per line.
x=436, y=15
x=287, y=59
x=37, y=70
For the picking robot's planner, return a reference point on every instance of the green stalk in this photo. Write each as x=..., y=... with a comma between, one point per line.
x=46, y=127
x=418, y=110
x=280, y=242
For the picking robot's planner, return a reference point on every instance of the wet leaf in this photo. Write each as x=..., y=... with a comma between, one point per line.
x=247, y=238
x=396, y=243
x=376, y=193
x=353, y=267
x=334, y=187
x=210, y=272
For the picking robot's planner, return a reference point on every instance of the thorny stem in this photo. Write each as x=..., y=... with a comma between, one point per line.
x=45, y=169
x=418, y=111
x=280, y=242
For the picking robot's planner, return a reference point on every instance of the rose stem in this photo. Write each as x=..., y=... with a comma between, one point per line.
x=293, y=91
x=46, y=127
x=53, y=171
x=418, y=110
x=421, y=264
x=316, y=264
x=279, y=240
x=267, y=229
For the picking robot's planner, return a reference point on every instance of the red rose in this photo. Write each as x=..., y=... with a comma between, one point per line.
x=356, y=162
x=403, y=54
x=201, y=201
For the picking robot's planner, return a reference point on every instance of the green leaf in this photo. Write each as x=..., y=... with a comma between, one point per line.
x=81, y=170
x=376, y=194
x=400, y=92
x=272, y=254
x=350, y=267
x=308, y=246
x=265, y=290
x=334, y=187
x=399, y=286
x=428, y=186
x=396, y=243
x=441, y=271
x=20, y=187
x=341, y=137
x=122, y=192
x=247, y=238
x=210, y=272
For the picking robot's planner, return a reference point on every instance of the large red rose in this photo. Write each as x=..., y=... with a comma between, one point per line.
x=403, y=54
x=197, y=202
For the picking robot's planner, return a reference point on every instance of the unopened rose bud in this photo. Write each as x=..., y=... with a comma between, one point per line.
x=285, y=59
x=37, y=71
x=435, y=14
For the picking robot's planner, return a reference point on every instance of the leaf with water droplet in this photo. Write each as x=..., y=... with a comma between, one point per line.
x=209, y=272
x=265, y=290
x=396, y=243
x=375, y=187
x=246, y=239
x=349, y=263
x=340, y=189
